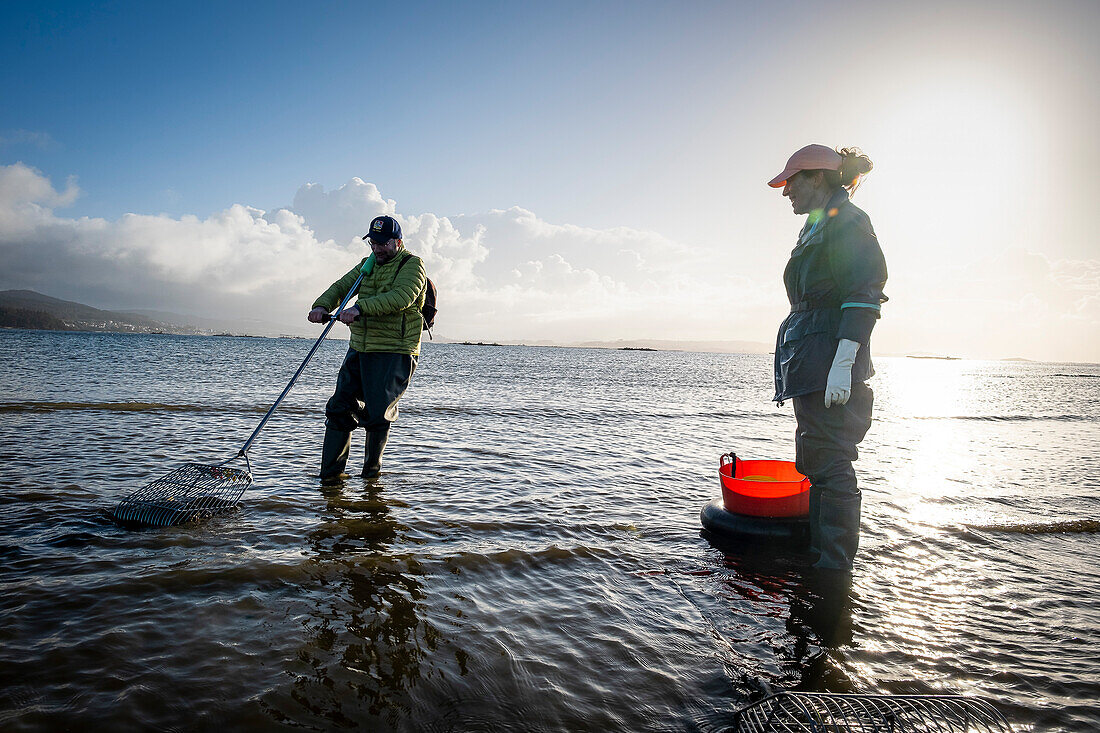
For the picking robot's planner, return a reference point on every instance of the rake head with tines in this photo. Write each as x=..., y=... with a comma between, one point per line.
x=191, y=492
x=814, y=712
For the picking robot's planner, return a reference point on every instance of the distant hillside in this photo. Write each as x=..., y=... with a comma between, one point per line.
x=25, y=318
x=28, y=309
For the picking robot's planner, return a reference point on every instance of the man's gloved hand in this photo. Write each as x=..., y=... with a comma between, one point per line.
x=318, y=315
x=838, y=388
x=350, y=314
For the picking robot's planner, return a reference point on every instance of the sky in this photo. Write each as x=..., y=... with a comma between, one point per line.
x=569, y=171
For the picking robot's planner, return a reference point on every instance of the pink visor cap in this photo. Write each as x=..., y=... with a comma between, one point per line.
x=809, y=158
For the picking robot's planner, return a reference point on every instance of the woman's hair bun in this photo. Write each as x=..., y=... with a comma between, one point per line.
x=853, y=164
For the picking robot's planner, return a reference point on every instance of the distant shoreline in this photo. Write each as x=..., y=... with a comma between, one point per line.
x=442, y=341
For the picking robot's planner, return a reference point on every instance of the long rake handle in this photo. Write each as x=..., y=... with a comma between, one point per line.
x=328, y=327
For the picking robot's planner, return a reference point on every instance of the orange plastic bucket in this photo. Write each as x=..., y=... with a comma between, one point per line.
x=763, y=488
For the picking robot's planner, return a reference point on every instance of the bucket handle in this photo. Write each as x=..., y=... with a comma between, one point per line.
x=726, y=459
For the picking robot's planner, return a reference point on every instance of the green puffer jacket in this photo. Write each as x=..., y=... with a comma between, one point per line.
x=390, y=301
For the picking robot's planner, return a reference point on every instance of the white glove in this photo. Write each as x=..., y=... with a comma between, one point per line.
x=838, y=387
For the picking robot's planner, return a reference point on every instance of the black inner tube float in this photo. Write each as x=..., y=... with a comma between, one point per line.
x=762, y=501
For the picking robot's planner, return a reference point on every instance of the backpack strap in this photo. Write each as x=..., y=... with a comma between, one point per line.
x=406, y=258
x=402, y=262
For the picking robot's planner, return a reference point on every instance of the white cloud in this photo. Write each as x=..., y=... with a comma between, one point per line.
x=503, y=274
x=26, y=197
x=507, y=274
x=341, y=215
x=1019, y=303
x=239, y=259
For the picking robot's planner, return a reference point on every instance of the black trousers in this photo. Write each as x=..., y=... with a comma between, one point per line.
x=367, y=390
x=824, y=448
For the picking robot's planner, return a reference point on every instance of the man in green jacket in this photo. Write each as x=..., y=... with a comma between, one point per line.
x=385, y=327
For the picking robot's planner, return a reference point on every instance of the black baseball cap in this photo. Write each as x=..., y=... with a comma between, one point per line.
x=383, y=229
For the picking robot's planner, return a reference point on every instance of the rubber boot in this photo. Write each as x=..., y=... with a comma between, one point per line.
x=838, y=531
x=334, y=454
x=372, y=460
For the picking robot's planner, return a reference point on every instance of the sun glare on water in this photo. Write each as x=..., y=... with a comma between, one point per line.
x=922, y=397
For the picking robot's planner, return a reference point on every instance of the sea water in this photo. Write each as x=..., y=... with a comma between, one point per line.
x=531, y=558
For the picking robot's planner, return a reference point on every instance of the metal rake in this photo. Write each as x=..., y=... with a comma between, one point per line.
x=197, y=491
x=193, y=491
x=817, y=712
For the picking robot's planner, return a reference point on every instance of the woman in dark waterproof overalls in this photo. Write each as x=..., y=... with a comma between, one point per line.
x=834, y=281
